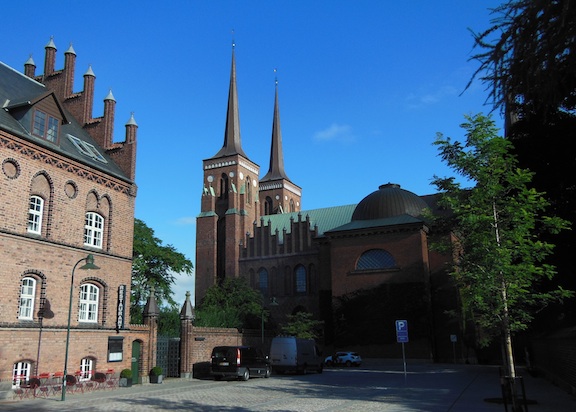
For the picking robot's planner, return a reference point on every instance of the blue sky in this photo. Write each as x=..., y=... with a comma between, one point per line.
x=364, y=86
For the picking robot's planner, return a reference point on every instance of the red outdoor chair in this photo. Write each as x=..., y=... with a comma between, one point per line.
x=56, y=382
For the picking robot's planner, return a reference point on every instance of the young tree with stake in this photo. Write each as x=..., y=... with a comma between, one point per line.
x=497, y=253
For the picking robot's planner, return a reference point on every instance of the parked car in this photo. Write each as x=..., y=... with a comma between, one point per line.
x=241, y=362
x=291, y=354
x=344, y=358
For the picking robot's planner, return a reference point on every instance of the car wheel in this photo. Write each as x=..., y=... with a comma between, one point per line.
x=348, y=363
x=268, y=372
x=246, y=375
x=217, y=377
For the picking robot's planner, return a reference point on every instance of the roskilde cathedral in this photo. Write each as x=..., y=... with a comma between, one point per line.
x=358, y=267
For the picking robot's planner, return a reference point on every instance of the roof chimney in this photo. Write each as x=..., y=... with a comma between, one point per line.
x=50, y=59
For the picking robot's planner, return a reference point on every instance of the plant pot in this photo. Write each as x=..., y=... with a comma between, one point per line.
x=125, y=382
x=156, y=378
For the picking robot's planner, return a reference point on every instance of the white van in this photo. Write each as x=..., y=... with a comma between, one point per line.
x=291, y=354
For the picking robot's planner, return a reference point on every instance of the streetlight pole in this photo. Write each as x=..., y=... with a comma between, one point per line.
x=272, y=303
x=87, y=266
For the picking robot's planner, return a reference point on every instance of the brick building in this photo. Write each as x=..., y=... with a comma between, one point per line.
x=327, y=261
x=67, y=191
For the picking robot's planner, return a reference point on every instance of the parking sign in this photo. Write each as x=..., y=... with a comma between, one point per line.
x=402, y=326
x=402, y=331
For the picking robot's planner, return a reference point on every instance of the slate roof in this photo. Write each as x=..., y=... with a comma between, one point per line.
x=20, y=91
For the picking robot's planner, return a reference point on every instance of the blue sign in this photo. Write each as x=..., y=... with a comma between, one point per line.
x=402, y=331
x=402, y=326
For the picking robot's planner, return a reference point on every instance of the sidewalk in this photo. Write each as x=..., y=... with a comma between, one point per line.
x=425, y=387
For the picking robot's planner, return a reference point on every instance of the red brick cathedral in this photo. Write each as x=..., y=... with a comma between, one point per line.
x=357, y=267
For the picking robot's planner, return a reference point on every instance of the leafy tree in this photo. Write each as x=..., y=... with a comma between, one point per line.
x=231, y=304
x=169, y=321
x=496, y=223
x=302, y=325
x=153, y=265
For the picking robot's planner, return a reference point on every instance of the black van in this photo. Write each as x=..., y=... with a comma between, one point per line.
x=240, y=362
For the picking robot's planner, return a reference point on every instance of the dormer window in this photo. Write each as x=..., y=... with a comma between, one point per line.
x=87, y=149
x=45, y=126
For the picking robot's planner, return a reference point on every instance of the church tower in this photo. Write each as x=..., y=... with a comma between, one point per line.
x=277, y=193
x=230, y=203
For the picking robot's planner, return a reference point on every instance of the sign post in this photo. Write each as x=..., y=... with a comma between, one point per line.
x=454, y=339
x=402, y=337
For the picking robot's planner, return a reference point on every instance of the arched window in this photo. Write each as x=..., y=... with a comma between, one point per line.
x=263, y=281
x=86, y=369
x=20, y=373
x=248, y=191
x=301, y=279
x=27, y=295
x=89, y=295
x=35, y=214
x=268, y=206
x=93, y=230
x=223, y=186
x=374, y=259
x=292, y=205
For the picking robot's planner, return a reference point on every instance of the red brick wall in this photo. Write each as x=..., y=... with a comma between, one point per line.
x=406, y=247
x=66, y=222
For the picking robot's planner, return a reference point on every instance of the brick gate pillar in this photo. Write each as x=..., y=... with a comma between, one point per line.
x=150, y=316
x=187, y=317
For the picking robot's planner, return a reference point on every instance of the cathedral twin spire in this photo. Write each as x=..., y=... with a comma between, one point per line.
x=232, y=139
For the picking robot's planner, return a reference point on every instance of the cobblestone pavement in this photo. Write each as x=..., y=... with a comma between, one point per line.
x=373, y=387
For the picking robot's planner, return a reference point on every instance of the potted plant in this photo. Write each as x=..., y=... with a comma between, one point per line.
x=156, y=374
x=126, y=378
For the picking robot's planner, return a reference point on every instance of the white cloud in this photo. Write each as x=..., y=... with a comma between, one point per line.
x=335, y=132
x=184, y=283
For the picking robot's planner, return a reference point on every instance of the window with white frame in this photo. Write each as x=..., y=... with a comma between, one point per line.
x=20, y=373
x=35, y=210
x=87, y=149
x=86, y=369
x=93, y=230
x=89, y=294
x=27, y=295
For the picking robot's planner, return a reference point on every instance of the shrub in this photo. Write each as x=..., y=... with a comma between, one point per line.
x=156, y=371
x=126, y=373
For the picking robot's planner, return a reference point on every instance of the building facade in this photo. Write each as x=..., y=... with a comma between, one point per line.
x=358, y=268
x=68, y=193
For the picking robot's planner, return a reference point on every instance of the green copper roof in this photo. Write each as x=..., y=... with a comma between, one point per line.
x=326, y=219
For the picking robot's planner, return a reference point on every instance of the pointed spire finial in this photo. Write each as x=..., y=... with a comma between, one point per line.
x=233, y=41
x=275, y=76
x=51, y=44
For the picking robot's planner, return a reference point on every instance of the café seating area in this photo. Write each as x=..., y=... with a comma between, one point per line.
x=47, y=384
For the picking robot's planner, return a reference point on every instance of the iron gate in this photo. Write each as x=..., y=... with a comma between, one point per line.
x=168, y=356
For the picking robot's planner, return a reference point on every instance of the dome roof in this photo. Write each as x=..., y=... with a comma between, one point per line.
x=389, y=201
